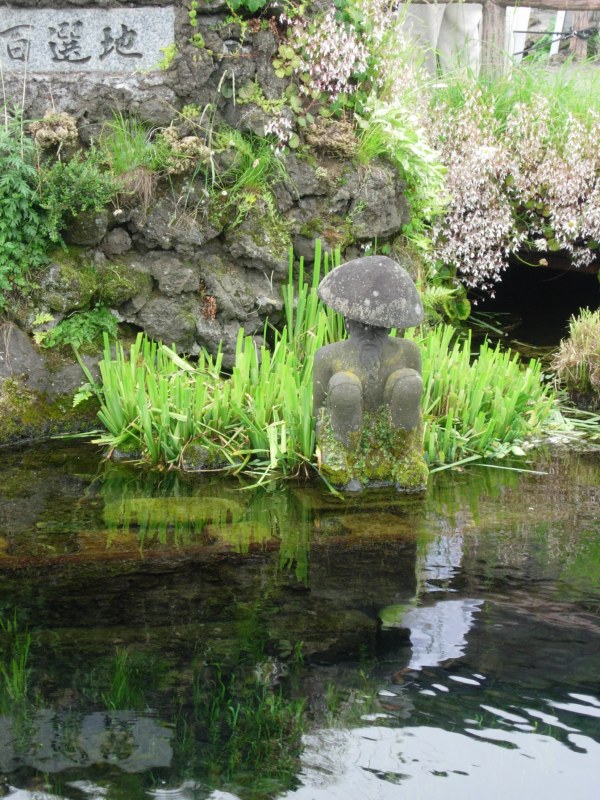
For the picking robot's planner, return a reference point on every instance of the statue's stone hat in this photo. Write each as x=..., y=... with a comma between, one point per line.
x=374, y=290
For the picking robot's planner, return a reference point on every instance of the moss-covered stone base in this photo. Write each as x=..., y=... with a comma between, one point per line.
x=381, y=455
x=26, y=415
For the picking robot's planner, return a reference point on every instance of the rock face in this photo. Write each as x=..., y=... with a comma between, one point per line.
x=193, y=281
x=187, y=265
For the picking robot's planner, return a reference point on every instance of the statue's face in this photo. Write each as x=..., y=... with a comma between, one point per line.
x=367, y=334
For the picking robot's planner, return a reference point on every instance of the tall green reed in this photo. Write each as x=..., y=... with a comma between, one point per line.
x=479, y=404
x=155, y=404
x=259, y=420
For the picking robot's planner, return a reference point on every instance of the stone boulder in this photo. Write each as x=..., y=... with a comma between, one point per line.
x=374, y=200
x=171, y=319
x=121, y=279
x=36, y=391
x=116, y=242
x=69, y=282
x=87, y=229
x=241, y=294
x=166, y=227
x=171, y=274
x=260, y=242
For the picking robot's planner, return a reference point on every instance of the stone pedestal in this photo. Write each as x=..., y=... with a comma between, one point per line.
x=379, y=455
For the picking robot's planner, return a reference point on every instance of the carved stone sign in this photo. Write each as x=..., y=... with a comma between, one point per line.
x=89, y=39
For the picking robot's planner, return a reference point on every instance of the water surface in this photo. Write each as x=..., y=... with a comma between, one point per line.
x=176, y=637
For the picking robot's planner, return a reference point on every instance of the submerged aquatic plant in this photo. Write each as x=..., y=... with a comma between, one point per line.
x=239, y=719
x=129, y=678
x=14, y=669
x=123, y=681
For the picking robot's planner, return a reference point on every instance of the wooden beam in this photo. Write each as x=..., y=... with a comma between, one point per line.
x=553, y=5
x=550, y=5
x=559, y=24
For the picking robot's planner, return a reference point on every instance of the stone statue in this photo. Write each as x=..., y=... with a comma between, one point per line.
x=367, y=389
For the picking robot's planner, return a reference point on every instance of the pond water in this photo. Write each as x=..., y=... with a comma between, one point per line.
x=175, y=637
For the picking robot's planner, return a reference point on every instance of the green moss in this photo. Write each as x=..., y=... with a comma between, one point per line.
x=269, y=230
x=127, y=450
x=380, y=454
x=27, y=415
x=169, y=52
x=72, y=281
x=198, y=457
x=312, y=227
x=335, y=231
x=118, y=283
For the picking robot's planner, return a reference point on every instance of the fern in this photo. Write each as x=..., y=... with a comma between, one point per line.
x=22, y=223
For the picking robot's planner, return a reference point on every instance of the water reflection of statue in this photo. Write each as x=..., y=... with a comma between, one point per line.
x=367, y=389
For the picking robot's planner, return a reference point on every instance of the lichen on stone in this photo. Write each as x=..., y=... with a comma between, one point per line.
x=186, y=151
x=56, y=129
x=332, y=136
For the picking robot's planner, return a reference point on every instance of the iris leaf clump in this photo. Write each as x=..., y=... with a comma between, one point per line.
x=258, y=419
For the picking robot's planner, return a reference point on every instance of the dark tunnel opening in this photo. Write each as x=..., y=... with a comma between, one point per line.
x=536, y=303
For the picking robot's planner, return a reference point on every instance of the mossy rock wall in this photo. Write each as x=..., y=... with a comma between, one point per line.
x=27, y=415
x=184, y=272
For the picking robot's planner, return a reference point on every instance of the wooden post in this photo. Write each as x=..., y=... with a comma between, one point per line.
x=493, y=28
x=517, y=22
x=578, y=47
x=559, y=26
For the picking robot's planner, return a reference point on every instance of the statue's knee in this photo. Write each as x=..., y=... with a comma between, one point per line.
x=412, y=383
x=403, y=396
x=345, y=403
x=344, y=391
x=403, y=382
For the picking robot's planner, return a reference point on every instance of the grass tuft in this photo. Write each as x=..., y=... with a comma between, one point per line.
x=577, y=362
x=127, y=144
x=483, y=404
